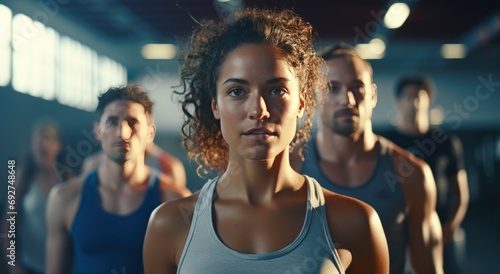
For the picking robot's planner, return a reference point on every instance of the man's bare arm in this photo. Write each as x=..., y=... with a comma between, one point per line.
x=426, y=248
x=59, y=250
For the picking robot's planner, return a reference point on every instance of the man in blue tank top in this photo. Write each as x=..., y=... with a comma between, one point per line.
x=97, y=222
x=441, y=150
x=345, y=156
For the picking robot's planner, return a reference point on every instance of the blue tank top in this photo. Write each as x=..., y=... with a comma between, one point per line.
x=108, y=243
x=380, y=191
x=312, y=251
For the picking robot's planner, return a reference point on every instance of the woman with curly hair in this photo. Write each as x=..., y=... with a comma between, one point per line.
x=248, y=81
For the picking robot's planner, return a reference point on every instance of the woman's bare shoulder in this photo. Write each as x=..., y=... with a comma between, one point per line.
x=176, y=214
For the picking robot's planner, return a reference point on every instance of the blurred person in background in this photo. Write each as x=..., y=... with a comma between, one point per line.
x=35, y=179
x=442, y=151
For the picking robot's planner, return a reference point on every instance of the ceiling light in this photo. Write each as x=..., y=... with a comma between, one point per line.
x=369, y=51
x=377, y=46
x=453, y=51
x=159, y=51
x=396, y=15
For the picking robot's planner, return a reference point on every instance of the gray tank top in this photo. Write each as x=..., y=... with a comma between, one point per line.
x=312, y=251
x=33, y=230
x=381, y=191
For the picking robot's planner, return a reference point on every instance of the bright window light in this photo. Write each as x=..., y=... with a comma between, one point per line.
x=159, y=51
x=396, y=15
x=53, y=67
x=453, y=51
x=22, y=43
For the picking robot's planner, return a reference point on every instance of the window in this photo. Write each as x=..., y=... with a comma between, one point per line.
x=51, y=66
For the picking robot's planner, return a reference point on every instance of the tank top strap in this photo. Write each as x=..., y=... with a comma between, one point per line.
x=205, y=197
x=315, y=193
x=89, y=192
x=317, y=201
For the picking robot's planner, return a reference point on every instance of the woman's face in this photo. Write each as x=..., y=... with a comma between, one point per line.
x=258, y=102
x=45, y=146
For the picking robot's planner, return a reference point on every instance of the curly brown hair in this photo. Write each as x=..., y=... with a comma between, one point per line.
x=210, y=43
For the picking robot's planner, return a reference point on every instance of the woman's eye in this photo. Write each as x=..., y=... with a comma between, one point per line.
x=235, y=92
x=278, y=91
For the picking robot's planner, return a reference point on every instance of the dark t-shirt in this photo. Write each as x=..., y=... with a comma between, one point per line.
x=442, y=151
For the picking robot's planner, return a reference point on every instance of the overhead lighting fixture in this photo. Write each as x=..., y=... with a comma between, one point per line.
x=453, y=51
x=159, y=51
x=396, y=15
x=373, y=50
x=377, y=46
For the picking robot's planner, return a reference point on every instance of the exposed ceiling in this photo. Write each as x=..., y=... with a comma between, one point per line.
x=167, y=19
x=128, y=24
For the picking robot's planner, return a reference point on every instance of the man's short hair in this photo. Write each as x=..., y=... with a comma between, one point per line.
x=344, y=50
x=129, y=92
x=421, y=81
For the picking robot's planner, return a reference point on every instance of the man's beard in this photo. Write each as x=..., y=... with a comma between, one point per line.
x=347, y=127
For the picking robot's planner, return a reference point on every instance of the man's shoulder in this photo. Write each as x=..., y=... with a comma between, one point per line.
x=401, y=156
x=68, y=191
x=409, y=168
x=413, y=174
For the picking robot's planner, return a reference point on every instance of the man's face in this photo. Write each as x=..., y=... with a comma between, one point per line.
x=352, y=97
x=124, y=131
x=413, y=101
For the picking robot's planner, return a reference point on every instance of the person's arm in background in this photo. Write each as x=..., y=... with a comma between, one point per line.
x=424, y=227
x=59, y=256
x=175, y=186
x=457, y=176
